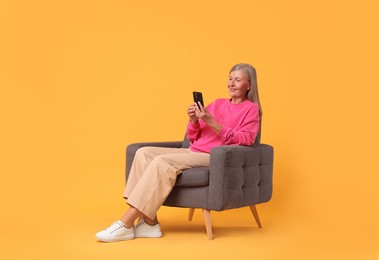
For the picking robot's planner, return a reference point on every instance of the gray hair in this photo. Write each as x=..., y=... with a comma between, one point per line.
x=250, y=72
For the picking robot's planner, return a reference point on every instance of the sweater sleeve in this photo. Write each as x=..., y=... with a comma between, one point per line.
x=245, y=134
x=193, y=131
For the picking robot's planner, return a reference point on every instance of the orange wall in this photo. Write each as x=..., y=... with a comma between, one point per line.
x=82, y=79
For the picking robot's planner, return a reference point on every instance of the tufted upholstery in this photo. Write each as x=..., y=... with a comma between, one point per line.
x=244, y=176
x=238, y=176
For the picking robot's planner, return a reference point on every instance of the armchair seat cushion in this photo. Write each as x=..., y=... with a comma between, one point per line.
x=194, y=177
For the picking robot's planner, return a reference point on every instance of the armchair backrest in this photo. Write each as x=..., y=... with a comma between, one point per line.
x=258, y=137
x=186, y=142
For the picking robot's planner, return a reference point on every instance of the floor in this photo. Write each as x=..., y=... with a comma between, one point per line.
x=235, y=235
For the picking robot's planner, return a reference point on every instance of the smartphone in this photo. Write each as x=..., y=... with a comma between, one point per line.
x=198, y=97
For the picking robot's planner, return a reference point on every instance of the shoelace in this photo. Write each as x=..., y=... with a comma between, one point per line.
x=116, y=228
x=140, y=223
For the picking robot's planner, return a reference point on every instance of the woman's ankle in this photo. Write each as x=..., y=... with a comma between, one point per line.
x=150, y=222
x=128, y=225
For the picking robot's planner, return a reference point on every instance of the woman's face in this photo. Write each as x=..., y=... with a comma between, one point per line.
x=238, y=84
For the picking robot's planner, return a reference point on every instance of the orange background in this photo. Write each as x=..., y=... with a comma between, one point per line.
x=80, y=80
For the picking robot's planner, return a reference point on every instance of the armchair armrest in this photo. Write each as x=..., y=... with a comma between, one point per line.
x=240, y=176
x=131, y=150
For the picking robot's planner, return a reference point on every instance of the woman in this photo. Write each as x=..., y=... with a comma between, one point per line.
x=233, y=121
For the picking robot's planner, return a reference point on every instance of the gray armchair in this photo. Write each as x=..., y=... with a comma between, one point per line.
x=238, y=176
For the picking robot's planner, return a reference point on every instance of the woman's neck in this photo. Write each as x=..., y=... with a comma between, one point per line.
x=237, y=100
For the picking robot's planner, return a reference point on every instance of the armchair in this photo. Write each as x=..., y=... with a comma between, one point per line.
x=238, y=176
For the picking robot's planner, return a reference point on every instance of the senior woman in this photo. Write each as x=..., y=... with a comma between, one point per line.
x=232, y=121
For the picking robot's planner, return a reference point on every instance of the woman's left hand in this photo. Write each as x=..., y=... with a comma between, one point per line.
x=203, y=114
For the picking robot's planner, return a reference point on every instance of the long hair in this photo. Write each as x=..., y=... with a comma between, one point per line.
x=252, y=93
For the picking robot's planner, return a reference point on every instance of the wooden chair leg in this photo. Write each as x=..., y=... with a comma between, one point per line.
x=190, y=214
x=208, y=223
x=255, y=214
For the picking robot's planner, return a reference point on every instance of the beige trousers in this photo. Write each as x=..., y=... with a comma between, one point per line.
x=153, y=175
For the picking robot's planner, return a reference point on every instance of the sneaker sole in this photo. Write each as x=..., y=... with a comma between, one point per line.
x=149, y=234
x=128, y=237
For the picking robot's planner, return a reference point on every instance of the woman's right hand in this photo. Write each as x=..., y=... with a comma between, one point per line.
x=191, y=111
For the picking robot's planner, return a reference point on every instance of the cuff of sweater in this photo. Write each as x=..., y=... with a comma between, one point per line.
x=192, y=126
x=223, y=133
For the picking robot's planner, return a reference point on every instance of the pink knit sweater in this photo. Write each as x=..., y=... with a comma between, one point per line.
x=240, y=126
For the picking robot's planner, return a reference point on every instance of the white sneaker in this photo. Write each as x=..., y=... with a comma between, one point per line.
x=143, y=229
x=116, y=232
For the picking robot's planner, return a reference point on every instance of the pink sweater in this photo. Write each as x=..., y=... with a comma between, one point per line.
x=240, y=126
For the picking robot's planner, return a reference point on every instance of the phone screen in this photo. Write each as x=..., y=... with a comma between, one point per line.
x=198, y=97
